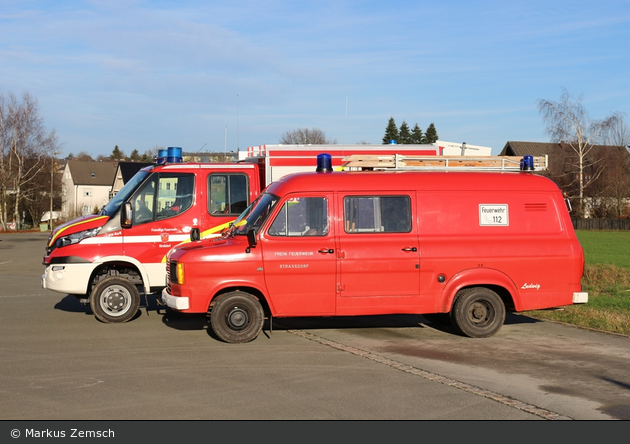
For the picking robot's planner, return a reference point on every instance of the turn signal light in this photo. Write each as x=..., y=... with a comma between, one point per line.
x=180, y=273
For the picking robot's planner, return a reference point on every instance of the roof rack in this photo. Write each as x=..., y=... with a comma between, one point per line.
x=358, y=162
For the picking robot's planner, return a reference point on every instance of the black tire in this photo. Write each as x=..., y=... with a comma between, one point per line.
x=237, y=317
x=115, y=300
x=478, y=312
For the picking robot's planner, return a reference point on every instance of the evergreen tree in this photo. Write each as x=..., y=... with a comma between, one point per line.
x=391, y=132
x=431, y=136
x=404, y=135
x=416, y=134
x=117, y=154
x=134, y=156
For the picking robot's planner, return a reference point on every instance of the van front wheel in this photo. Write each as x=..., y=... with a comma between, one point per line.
x=237, y=317
x=478, y=312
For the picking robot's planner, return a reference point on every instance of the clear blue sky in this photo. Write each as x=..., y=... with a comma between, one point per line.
x=178, y=73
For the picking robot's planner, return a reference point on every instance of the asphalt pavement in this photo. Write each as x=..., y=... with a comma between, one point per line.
x=59, y=363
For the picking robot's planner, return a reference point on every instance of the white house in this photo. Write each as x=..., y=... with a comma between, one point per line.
x=86, y=185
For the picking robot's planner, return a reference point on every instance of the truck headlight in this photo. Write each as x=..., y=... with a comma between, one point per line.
x=75, y=238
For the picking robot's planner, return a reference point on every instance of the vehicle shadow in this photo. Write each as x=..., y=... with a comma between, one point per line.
x=199, y=321
x=71, y=304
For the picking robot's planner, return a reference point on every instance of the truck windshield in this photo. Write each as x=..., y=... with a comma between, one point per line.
x=254, y=215
x=113, y=205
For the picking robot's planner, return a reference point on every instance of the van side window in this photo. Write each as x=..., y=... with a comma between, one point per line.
x=377, y=214
x=228, y=194
x=301, y=216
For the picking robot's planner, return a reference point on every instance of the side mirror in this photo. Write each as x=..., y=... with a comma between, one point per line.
x=194, y=234
x=126, y=215
x=251, y=240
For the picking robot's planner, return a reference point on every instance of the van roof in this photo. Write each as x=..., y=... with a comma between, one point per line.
x=410, y=180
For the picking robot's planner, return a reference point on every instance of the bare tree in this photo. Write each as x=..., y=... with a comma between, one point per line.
x=84, y=155
x=150, y=154
x=305, y=136
x=618, y=180
x=568, y=121
x=24, y=148
x=619, y=134
x=617, y=176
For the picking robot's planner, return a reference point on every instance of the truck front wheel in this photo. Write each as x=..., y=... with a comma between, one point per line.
x=237, y=317
x=115, y=300
x=478, y=312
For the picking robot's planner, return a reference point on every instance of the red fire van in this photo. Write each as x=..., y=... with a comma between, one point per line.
x=470, y=244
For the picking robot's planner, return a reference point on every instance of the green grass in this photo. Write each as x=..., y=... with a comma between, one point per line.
x=606, y=247
x=607, y=280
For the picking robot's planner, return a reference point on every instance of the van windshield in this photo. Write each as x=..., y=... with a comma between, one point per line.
x=113, y=205
x=256, y=214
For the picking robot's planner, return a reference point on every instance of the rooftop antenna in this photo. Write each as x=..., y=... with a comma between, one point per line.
x=346, y=121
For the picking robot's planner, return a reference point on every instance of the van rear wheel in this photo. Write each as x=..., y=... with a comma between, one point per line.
x=478, y=312
x=114, y=300
x=237, y=317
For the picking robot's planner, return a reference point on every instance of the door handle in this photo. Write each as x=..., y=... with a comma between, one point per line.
x=326, y=251
x=410, y=249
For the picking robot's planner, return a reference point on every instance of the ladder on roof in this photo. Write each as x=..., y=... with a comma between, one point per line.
x=398, y=162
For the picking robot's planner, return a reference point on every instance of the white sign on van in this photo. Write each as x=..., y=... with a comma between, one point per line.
x=493, y=215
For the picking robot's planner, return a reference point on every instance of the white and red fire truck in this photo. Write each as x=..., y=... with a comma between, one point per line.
x=111, y=258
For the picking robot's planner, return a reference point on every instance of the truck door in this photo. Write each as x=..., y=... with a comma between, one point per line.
x=163, y=215
x=300, y=263
x=378, y=250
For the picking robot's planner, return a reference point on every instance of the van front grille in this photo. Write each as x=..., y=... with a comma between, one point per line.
x=171, y=273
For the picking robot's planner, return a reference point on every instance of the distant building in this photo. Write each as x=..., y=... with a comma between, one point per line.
x=86, y=186
x=124, y=172
x=229, y=156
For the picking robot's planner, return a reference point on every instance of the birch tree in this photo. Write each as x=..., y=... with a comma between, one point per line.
x=568, y=121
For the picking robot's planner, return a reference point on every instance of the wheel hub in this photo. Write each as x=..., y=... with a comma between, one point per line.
x=479, y=312
x=237, y=318
x=115, y=301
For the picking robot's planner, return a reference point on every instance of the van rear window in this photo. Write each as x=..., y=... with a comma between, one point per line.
x=377, y=214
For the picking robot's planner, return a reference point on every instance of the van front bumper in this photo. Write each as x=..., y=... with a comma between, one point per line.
x=174, y=302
